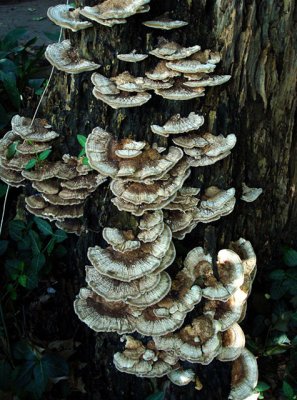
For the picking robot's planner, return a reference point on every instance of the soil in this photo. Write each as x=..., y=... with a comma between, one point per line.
x=30, y=15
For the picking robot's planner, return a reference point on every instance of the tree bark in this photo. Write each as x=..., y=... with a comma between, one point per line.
x=258, y=44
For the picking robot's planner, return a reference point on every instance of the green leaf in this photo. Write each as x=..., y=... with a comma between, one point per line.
x=22, y=351
x=290, y=257
x=85, y=161
x=5, y=375
x=50, y=246
x=9, y=83
x=4, y=118
x=16, y=229
x=22, y=279
x=42, y=156
x=12, y=37
x=36, y=242
x=36, y=83
x=40, y=379
x=3, y=189
x=262, y=386
x=11, y=150
x=7, y=65
x=24, y=244
x=55, y=366
x=24, y=374
x=38, y=261
x=277, y=274
x=288, y=390
x=81, y=140
x=60, y=235
x=43, y=226
x=156, y=396
x=30, y=164
x=52, y=36
x=82, y=153
x=3, y=246
x=12, y=291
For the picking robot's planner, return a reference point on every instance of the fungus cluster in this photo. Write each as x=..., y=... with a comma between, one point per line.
x=18, y=146
x=62, y=188
x=135, y=282
x=182, y=74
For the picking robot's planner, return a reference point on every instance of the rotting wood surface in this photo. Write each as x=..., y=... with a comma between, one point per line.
x=258, y=44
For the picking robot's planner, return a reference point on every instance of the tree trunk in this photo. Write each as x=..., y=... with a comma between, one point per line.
x=258, y=104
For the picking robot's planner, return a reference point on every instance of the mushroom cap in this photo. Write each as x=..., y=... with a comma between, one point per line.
x=129, y=83
x=244, y=376
x=149, y=235
x=133, y=264
x=66, y=58
x=177, y=124
x=139, y=193
x=103, y=84
x=173, y=51
x=179, y=92
x=181, y=377
x=190, y=66
x=161, y=72
x=101, y=315
x=250, y=194
x=71, y=226
x=233, y=341
x=227, y=312
x=144, y=361
x=29, y=147
x=229, y=270
x=151, y=219
x=198, y=342
x=132, y=57
x=138, y=211
x=209, y=145
x=101, y=152
x=114, y=290
x=153, y=295
x=40, y=131
x=123, y=100
x=121, y=241
x=247, y=254
x=115, y=9
x=214, y=80
x=65, y=16
x=11, y=177
x=165, y=23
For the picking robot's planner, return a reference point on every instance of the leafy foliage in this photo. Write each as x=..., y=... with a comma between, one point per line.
x=274, y=325
x=34, y=243
x=18, y=66
x=32, y=371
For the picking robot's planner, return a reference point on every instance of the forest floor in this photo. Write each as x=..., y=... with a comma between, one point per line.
x=30, y=15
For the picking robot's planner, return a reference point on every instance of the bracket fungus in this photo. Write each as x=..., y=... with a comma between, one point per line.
x=173, y=51
x=250, y=194
x=131, y=264
x=144, y=360
x=244, y=376
x=177, y=124
x=115, y=10
x=165, y=23
x=101, y=152
x=198, y=342
x=67, y=17
x=132, y=57
x=66, y=58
